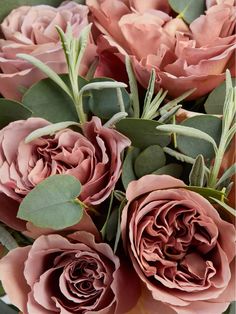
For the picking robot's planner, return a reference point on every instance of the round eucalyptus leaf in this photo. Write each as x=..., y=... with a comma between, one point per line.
x=149, y=160
x=52, y=203
x=189, y=10
x=192, y=147
x=215, y=101
x=128, y=173
x=11, y=111
x=142, y=132
x=104, y=102
x=47, y=100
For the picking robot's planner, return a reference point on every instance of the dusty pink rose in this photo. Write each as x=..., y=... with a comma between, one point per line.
x=184, y=57
x=180, y=247
x=94, y=158
x=67, y=276
x=32, y=30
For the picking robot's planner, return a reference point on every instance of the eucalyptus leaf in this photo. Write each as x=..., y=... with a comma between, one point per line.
x=188, y=132
x=53, y=203
x=112, y=224
x=172, y=169
x=6, y=309
x=104, y=103
x=11, y=111
x=207, y=125
x=189, y=10
x=149, y=160
x=128, y=173
x=215, y=101
x=197, y=173
x=231, y=309
x=50, y=130
x=47, y=100
x=142, y=132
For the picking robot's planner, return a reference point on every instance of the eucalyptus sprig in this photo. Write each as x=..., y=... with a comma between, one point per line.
x=74, y=49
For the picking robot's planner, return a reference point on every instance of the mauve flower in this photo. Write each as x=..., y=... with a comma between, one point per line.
x=94, y=158
x=184, y=57
x=68, y=275
x=179, y=246
x=31, y=30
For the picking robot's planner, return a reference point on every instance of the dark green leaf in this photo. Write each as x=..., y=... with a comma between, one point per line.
x=172, y=169
x=215, y=101
x=49, y=101
x=142, y=132
x=9, y=5
x=128, y=173
x=189, y=10
x=104, y=102
x=2, y=291
x=6, y=309
x=11, y=111
x=52, y=203
x=197, y=173
x=192, y=146
x=149, y=160
x=231, y=309
x=112, y=224
x=208, y=193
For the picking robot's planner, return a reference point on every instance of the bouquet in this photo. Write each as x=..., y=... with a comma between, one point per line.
x=117, y=156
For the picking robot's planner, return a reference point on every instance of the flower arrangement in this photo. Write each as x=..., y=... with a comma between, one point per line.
x=117, y=156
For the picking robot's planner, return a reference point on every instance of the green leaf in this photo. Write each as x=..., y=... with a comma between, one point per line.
x=53, y=203
x=231, y=309
x=103, y=100
x=11, y=111
x=208, y=193
x=48, y=101
x=112, y=224
x=210, y=125
x=172, y=169
x=6, y=309
x=49, y=130
x=228, y=209
x=188, y=132
x=189, y=10
x=128, y=173
x=142, y=132
x=197, y=173
x=149, y=160
x=7, y=240
x=215, y=101
x=46, y=70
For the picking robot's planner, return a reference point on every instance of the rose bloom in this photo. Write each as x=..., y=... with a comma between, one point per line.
x=184, y=57
x=179, y=246
x=68, y=275
x=31, y=30
x=94, y=158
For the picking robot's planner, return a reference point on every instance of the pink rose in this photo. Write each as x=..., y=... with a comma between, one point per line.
x=32, y=30
x=94, y=158
x=180, y=247
x=73, y=275
x=183, y=57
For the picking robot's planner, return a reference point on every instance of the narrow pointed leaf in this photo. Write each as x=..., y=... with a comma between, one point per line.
x=196, y=176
